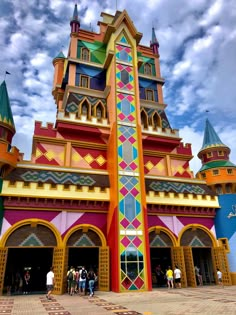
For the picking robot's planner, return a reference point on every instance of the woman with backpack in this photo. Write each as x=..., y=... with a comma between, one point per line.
x=71, y=280
x=91, y=279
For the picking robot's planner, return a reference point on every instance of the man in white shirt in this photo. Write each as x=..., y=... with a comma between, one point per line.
x=50, y=283
x=82, y=281
x=219, y=276
x=177, y=276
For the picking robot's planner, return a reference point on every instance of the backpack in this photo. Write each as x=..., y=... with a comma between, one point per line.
x=83, y=274
x=70, y=276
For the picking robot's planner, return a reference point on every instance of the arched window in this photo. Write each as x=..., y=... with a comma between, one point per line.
x=85, y=109
x=228, y=188
x=155, y=120
x=147, y=69
x=144, y=119
x=85, y=54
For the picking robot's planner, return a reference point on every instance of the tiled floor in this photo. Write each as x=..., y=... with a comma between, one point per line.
x=201, y=300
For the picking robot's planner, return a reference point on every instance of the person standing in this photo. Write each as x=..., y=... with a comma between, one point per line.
x=219, y=276
x=91, y=280
x=50, y=282
x=71, y=280
x=26, y=282
x=198, y=275
x=177, y=275
x=82, y=280
x=169, y=276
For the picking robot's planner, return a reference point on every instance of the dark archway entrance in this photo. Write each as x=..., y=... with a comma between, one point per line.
x=161, y=255
x=202, y=258
x=84, y=256
x=30, y=246
x=160, y=260
x=36, y=260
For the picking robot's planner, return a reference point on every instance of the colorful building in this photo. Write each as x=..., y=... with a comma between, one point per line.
x=109, y=185
x=220, y=175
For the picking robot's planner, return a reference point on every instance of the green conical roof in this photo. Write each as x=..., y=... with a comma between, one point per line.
x=60, y=55
x=6, y=116
x=211, y=139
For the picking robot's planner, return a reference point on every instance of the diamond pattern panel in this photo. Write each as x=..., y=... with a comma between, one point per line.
x=129, y=197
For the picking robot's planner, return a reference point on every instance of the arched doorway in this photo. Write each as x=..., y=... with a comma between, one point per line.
x=198, y=245
x=161, y=255
x=29, y=246
x=86, y=246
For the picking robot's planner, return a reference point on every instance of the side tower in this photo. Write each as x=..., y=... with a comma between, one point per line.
x=8, y=154
x=220, y=175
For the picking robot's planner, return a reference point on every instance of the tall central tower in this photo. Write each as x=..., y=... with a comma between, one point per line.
x=127, y=226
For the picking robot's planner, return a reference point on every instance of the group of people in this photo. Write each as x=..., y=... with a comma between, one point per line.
x=18, y=283
x=78, y=280
x=173, y=278
x=169, y=277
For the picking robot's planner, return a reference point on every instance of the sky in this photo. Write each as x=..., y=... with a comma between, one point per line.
x=197, y=55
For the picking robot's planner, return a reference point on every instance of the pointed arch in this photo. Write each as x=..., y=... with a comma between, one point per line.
x=155, y=120
x=86, y=227
x=144, y=118
x=32, y=222
x=195, y=227
x=99, y=111
x=85, y=108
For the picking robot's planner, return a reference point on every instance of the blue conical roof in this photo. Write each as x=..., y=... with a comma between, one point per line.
x=6, y=116
x=211, y=139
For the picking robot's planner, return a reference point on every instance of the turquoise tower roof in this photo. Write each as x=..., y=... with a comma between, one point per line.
x=6, y=116
x=60, y=56
x=211, y=139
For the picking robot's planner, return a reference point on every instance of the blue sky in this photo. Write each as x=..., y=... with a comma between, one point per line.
x=197, y=54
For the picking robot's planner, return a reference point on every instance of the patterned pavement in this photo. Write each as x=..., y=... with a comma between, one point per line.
x=202, y=300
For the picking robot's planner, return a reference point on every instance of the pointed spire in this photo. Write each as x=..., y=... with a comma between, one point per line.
x=211, y=139
x=60, y=56
x=6, y=117
x=154, y=44
x=74, y=22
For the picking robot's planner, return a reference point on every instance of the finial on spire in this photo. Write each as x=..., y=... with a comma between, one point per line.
x=74, y=22
x=154, y=44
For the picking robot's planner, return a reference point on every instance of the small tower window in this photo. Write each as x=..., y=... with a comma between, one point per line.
x=215, y=172
x=209, y=154
x=85, y=54
x=203, y=175
x=84, y=81
x=149, y=95
x=147, y=69
x=220, y=153
x=219, y=190
x=229, y=171
x=228, y=188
